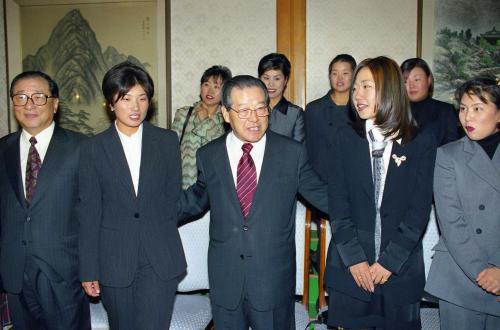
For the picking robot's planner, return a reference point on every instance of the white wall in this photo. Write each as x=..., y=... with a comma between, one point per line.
x=362, y=28
x=234, y=33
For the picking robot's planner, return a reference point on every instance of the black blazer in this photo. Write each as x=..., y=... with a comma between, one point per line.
x=405, y=210
x=48, y=228
x=115, y=223
x=437, y=117
x=258, y=253
x=322, y=118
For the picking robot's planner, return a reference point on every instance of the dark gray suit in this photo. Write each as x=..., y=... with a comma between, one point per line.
x=253, y=257
x=41, y=240
x=467, y=195
x=287, y=119
x=121, y=233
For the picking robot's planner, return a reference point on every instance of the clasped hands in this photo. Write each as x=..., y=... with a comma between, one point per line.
x=489, y=280
x=367, y=276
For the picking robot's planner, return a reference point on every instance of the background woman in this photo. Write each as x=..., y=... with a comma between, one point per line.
x=202, y=122
x=130, y=182
x=380, y=199
x=285, y=117
x=436, y=116
x=465, y=271
x=325, y=115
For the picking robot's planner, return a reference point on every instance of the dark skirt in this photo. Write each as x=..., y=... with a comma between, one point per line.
x=351, y=313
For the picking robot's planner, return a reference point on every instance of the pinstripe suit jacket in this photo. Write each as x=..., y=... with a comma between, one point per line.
x=47, y=229
x=115, y=222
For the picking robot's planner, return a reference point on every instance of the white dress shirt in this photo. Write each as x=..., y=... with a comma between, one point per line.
x=234, y=152
x=132, y=146
x=386, y=157
x=43, y=139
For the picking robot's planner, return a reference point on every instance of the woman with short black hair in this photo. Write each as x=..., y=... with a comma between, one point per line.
x=285, y=118
x=465, y=270
x=130, y=181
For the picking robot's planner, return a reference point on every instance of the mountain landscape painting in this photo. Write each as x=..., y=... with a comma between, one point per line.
x=77, y=55
x=466, y=43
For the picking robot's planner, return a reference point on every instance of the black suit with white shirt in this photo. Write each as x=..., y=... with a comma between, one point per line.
x=39, y=240
x=404, y=212
x=129, y=240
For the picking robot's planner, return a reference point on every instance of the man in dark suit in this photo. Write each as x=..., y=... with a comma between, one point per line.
x=38, y=197
x=250, y=179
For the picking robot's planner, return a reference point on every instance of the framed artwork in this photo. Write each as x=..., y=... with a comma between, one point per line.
x=77, y=42
x=460, y=39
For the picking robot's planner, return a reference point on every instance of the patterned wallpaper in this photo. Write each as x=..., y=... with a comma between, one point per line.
x=361, y=28
x=4, y=126
x=234, y=33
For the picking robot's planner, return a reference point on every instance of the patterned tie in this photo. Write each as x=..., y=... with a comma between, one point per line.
x=33, y=166
x=378, y=172
x=246, y=179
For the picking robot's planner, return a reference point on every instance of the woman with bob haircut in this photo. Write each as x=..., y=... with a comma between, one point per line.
x=285, y=118
x=465, y=270
x=380, y=194
x=130, y=182
x=436, y=116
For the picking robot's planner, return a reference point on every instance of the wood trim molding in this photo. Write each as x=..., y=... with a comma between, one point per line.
x=291, y=41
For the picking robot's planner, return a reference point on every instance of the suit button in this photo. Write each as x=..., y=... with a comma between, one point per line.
x=28, y=218
x=330, y=124
x=242, y=257
x=23, y=242
x=137, y=215
x=245, y=228
x=479, y=231
x=482, y=207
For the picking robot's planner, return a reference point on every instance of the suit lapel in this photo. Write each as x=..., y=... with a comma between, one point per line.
x=13, y=167
x=486, y=169
x=395, y=174
x=116, y=158
x=365, y=165
x=223, y=170
x=149, y=157
x=54, y=158
x=271, y=165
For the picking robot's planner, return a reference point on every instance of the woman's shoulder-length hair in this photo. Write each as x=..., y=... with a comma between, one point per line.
x=393, y=108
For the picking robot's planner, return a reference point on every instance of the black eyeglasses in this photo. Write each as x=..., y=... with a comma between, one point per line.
x=36, y=98
x=261, y=111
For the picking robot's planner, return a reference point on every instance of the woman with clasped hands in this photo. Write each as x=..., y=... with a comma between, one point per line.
x=380, y=194
x=465, y=271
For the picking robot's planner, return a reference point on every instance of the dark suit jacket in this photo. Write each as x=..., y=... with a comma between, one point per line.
x=258, y=253
x=322, y=118
x=115, y=223
x=467, y=194
x=437, y=117
x=405, y=210
x=48, y=228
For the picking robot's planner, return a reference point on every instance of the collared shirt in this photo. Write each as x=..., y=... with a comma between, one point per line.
x=43, y=140
x=132, y=147
x=386, y=157
x=234, y=152
x=281, y=106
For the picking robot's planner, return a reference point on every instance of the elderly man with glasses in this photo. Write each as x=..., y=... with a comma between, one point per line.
x=38, y=223
x=250, y=179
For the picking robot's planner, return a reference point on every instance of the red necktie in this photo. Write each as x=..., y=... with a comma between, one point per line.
x=33, y=166
x=246, y=179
